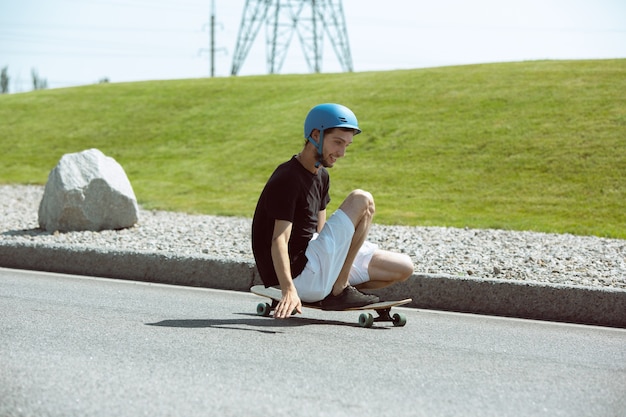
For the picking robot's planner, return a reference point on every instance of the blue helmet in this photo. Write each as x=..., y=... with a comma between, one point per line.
x=328, y=116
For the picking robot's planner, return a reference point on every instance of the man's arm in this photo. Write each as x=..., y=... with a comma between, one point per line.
x=280, y=257
x=321, y=220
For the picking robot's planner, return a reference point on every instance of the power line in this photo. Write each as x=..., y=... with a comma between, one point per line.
x=83, y=54
x=179, y=5
x=30, y=27
x=72, y=42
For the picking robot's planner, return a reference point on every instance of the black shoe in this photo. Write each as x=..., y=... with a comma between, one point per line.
x=350, y=297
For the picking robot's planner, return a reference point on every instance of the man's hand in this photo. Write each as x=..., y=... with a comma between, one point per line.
x=289, y=303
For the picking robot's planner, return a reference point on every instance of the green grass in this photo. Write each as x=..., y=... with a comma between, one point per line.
x=523, y=146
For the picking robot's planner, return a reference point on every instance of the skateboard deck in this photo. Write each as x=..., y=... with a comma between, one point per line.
x=382, y=308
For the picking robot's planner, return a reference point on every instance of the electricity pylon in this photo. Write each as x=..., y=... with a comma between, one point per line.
x=310, y=19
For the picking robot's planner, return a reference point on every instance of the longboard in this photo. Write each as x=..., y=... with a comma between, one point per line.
x=382, y=308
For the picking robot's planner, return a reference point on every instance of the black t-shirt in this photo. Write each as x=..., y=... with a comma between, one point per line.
x=296, y=195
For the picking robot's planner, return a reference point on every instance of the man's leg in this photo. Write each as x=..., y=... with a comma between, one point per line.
x=387, y=268
x=359, y=207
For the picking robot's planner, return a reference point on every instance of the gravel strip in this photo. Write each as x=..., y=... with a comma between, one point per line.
x=481, y=253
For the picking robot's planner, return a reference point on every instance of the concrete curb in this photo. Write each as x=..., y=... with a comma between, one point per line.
x=572, y=304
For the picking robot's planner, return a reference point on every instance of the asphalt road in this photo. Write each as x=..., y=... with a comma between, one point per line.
x=77, y=346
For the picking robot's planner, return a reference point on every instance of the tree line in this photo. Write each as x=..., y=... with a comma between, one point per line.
x=38, y=82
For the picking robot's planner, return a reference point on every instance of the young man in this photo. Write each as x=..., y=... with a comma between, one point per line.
x=312, y=259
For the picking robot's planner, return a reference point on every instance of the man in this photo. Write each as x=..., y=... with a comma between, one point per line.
x=312, y=259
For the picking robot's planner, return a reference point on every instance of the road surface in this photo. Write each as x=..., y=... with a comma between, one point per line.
x=78, y=346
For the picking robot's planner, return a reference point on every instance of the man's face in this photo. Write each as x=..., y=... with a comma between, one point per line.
x=336, y=141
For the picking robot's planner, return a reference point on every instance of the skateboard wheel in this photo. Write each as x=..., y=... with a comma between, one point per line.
x=366, y=320
x=263, y=309
x=399, y=320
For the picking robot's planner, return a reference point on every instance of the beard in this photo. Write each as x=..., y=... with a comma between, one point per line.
x=325, y=162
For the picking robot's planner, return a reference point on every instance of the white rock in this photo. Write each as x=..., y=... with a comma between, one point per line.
x=87, y=191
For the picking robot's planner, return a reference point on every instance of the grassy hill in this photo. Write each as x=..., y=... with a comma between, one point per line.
x=526, y=146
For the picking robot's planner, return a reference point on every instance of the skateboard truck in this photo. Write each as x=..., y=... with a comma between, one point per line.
x=367, y=319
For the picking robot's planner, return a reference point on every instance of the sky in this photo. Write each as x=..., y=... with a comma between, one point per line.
x=77, y=42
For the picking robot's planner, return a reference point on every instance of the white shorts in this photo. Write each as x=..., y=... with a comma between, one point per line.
x=326, y=255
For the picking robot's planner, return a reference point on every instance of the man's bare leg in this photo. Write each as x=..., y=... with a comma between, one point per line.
x=387, y=268
x=359, y=207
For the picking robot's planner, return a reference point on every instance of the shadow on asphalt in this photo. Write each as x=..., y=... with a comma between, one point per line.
x=251, y=323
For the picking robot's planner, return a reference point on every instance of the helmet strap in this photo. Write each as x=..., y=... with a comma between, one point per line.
x=319, y=146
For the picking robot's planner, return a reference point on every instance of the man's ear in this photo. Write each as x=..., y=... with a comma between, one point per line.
x=315, y=135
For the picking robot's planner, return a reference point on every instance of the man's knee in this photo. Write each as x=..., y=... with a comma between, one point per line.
x=363, y=195
x=359, y=203
x=399, y=266
x=405, y=267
